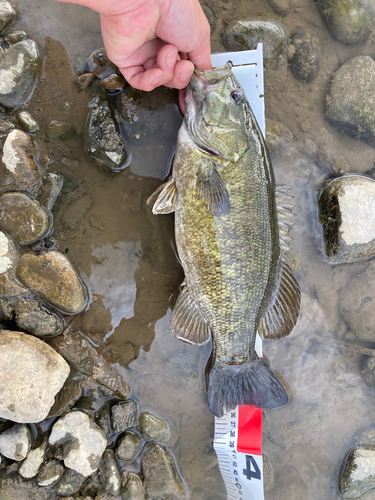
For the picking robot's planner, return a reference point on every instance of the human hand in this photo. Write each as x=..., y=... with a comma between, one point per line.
x=154, y=42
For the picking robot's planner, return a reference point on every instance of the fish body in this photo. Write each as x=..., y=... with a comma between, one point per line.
x=223, y=194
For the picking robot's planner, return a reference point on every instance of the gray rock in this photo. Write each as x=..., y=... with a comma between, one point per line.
x=70, y=483
x=31, y=374
x=83, y=442
x=6, y=310
x=18, y=169
x=31, y=465
x=23, y=218
x=15, y=442
x=245, y=35
x=368, y=371
x=104, y=142
x=27, y=122
x=109, y=473
x=50, y=275
x=60, y=130
x=51, y=189
x=19, y=70
x=153, y=427
x=65, y=399
x=133, y=489
x=14, y=487
x=128, y=446
x=359, y=472
x=347, y=214
x=83, y=356
x=305, y=63
x=349, y=21
x=33, y=318
x=15, y=36
x=124, y=415
x=281, y=7
x=8, y=253
x=9, y=287
x=161, y=479
x=7, y=15
x=350, y=102
x=50, y=473
x=76, y=211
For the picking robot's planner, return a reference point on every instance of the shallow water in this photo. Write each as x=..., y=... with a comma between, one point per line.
x=133, y=275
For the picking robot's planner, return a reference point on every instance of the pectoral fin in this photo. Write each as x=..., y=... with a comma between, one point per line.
x=211, y=189
x=187, y=322
x=163, y=200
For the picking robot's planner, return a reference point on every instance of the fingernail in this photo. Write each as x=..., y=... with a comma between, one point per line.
x=171, y=58
x=157, y=79
x=185, y=75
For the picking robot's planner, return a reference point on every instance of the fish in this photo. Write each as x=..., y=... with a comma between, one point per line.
x=232, y=224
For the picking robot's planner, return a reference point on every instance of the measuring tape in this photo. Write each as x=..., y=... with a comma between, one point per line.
x=238, y=434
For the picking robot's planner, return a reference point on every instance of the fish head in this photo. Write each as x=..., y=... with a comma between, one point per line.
x=217, y=113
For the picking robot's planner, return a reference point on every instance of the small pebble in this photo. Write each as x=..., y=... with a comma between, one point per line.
x=27, y=122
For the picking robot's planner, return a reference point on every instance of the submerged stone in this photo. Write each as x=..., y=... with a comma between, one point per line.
x=161, y=479
x=124, y=415
x=9, y=287
x=50, y=473
x=350, y=102
x=245, y=35
x=27, y=122
x=18, y=169
x=133, y=489
x=349, y=21
x=104, y=142
x=23, y=218
x=305, y=63
x=153, y=427
x=50, y=275
x=359, y=472
x=15, y=442
x=33, y=318
x=73, y=215
x=278, y=136
x=7, y=15
x=347, y=214
x=19, y=70
x=51, y=189
x=70, y=483
x=109, y=473
x=31, y=374
x=128, y=446
x=82, y=440
x=281, y=7
x=8, y=253
x=60, y=130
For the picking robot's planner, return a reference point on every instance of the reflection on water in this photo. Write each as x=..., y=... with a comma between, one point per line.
x=129, y=264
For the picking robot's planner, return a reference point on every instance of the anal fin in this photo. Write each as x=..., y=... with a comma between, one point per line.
x=187, y=322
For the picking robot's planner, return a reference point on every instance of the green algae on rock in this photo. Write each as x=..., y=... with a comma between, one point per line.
x=153, y=427
x=60, y=130
x=27, y=122
x=23, y=218
x=359, y=472
x=305, y=62
x=124, y=415
x=50, y=275
x=128, y=446
x=133, y=489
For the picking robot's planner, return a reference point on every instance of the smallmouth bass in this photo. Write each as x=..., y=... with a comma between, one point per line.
x=232, y=239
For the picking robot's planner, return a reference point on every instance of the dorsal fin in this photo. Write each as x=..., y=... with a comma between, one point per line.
x=163, y=200
x=187, y=322
x=211, y=189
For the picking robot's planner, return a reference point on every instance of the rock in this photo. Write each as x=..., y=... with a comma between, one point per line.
x=60, y=130
x=50, y=275
x=124, y=415
x=8, y=253
x=76, y=211
x=368, y=371
x=128, y=446
x=19, y=70
x=9, y=288
x=305, y=63
x=23, y=218
x=65, y=399
x=245, y=35
x=347, y=214
x=349, y=21
x=51, y=189
x=110, y=474
x=210, y=16
x=34, y=460
x=6, y=310
x=104, y=142
x=50, y=473
x=350, y=102
x=15, y=36
x=85, y=80
x=70, y=483
x=161, y=479
x=18, y=169
x=277, y=136
x=83, y=442
x=83, y=356
x=15, y=442
x=359, y=472
x=14, y=487
x=27, y=122
x=33, y=318
x=133, y=489
x=7, y=15
x=281, y=7
x=31, y=374
x=114, y=82
x=153, y=427
x=99, y=64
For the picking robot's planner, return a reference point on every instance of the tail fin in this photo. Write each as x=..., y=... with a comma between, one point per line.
x=248, y=384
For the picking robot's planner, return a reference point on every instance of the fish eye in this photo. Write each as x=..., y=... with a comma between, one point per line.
x=237, y=97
